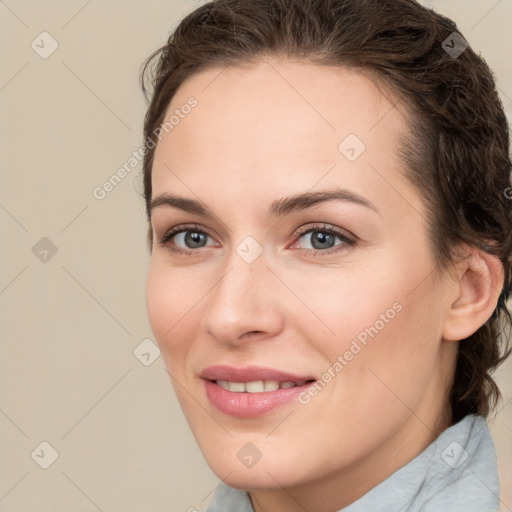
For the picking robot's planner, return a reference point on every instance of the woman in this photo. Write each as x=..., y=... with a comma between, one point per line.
x=331, y=238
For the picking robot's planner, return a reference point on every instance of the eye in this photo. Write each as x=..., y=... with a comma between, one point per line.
x=191, y=236
x=322, y=238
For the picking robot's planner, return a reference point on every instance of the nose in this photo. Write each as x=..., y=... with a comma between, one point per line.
x=243, y=306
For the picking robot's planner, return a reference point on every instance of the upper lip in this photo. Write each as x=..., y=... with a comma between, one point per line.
x=250, y=374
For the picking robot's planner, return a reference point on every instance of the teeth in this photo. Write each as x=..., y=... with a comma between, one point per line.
x=257, y=386
x=271, y=385
x=237, y=387
x=254, y=387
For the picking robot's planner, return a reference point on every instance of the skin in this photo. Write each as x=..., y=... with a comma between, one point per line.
x=258, y=134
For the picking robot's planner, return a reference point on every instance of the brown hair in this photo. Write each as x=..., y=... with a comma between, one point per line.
x=457, y=151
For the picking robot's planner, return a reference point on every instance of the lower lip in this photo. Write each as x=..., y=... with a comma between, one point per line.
x=250, y=405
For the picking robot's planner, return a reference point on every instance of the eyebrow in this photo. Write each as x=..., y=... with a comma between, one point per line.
x=278, y=208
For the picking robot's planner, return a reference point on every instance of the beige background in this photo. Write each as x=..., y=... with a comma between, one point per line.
x=70, y=324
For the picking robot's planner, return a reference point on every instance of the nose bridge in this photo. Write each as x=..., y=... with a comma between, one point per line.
x=241, y=300
x=245, y=267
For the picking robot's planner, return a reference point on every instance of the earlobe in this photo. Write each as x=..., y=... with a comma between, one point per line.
x=480, y=281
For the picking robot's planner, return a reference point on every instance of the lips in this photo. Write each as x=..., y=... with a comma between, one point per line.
x=251, y=374
x=251, y=391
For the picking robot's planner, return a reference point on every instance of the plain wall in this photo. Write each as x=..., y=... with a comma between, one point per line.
x=70, y=321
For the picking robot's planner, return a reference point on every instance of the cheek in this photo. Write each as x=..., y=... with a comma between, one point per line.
x=343, y=308
x=169, y=303
x=159, y=301
x=392, y=360
x=385, y=329
x=385, y=370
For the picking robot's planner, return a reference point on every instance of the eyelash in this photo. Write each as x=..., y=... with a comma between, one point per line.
x=324, y=228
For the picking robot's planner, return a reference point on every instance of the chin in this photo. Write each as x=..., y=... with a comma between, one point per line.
x=275, y=472
x=251, y=480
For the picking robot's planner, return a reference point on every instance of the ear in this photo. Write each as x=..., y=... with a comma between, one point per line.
x=477, y=286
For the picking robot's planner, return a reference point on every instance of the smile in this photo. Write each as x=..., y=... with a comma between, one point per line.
x=253, y=391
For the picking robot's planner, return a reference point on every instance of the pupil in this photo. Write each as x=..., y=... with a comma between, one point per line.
x=321, y=237
x=194, y=238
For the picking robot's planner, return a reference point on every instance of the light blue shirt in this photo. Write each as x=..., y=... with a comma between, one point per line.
x=457, y=472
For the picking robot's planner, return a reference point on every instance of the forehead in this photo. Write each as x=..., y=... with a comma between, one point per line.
x=279, y=124
x=273, y=94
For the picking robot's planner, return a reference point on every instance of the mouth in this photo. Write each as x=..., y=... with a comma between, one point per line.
x=251, y=392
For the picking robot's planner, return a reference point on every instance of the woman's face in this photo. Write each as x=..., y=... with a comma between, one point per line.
x=340, y=291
